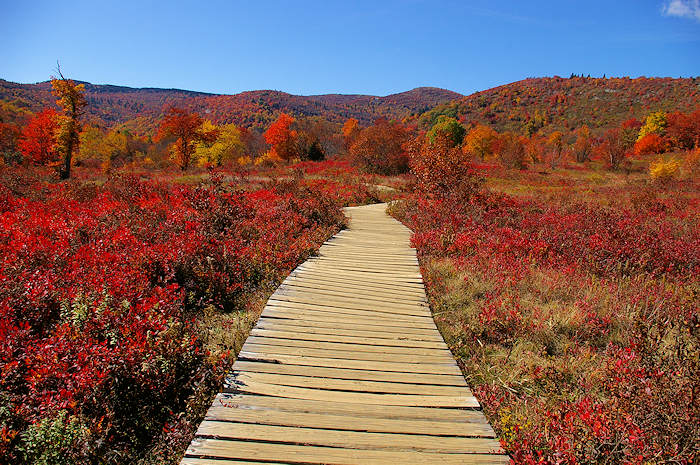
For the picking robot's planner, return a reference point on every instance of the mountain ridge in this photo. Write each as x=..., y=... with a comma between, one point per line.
x=112, y=105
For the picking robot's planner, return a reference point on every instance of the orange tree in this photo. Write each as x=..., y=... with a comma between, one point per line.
x=479, y=142
x=282, y=137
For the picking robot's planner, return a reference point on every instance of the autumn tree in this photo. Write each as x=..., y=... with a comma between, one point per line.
x=649, y=144
x=227, y=147
x=71, y=100
x=510, y=150
x=655, y=123
x=38, y=139
x=379, y=148
x=446, y=129
x=253, y=141
x=350, y=130
x=316, y=138
x=441, y=169
x=307, y=146
x=535, y=148
x=615, y=146
x=10, y=134
x=186, y=128
x=281, y=137
x=479, y=142
x=555, y=141
x=683, y=131
x=583, y=147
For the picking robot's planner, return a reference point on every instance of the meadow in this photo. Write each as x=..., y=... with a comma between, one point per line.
x=561, y=265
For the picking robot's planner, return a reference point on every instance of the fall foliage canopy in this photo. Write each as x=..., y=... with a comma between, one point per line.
x=38, y=139
x=186, y=128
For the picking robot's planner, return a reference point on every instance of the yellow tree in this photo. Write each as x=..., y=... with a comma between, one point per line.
x=71, y=99
x=227, y=147
x=655, y=123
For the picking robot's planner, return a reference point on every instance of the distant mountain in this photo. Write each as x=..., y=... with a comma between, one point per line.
x=559, y=103
x=141, y=109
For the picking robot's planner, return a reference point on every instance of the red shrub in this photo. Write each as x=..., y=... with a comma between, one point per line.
x=98, y=284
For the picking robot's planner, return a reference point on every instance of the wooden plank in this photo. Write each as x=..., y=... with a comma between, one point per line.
x=365, y=274
x=442, y=352
x=253, y=403
x=350, y=439
x=318, y=287
x=340, y=291
x=306, y=360
x=327, y=300
x=380, y=265
x=343, y=373
x=330, y=328
x=321, y=322
x=395, y=319
x=376, y=313
x=477, y=428
x=202, y=461
x=370, y=255
x=347, y=354
x=348, y=281
x=389, y=275
x=236, y=378
x=354, y=339
x=247, y=450
x=266, y=389
x=311, y=314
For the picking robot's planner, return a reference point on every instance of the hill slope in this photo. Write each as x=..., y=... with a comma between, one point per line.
x=142, y=108
x=560, y=103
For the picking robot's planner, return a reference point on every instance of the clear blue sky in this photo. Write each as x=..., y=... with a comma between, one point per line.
x=374, y=47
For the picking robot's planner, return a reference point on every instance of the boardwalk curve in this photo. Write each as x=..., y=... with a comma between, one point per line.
x=346, y=366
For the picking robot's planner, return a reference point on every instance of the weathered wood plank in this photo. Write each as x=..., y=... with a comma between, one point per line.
x=353, y=339
x=375, y=387
x=369, y=347
x=352, y=439
x=352, y=374
x=232, y=449
x=344, y=329
x=319, y=361
x=477, y=428
x=255, y=403
x=440, y=359
x=265, y=389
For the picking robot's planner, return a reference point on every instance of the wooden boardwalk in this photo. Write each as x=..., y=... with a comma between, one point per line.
x=346, y=366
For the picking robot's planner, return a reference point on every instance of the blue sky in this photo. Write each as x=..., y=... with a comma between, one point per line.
x=373, y=47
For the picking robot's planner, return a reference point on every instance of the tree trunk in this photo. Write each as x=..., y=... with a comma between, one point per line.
x=65, y=169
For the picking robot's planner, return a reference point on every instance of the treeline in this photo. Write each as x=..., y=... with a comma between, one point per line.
x=185, y=139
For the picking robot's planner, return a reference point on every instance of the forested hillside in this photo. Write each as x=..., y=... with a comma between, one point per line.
x=140, y=109
x=556, y=103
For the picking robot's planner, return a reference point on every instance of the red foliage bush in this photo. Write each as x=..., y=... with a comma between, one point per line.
x=98, y=286
x=590, y=391
x=649, y=144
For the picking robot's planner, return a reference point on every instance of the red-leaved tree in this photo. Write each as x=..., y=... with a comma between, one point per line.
x=38, y=140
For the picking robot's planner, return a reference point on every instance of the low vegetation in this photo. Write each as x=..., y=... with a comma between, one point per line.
x=560, y=252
